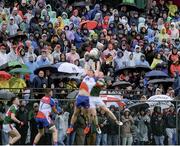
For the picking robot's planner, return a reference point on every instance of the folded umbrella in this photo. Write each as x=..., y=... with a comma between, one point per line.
x=4, y=75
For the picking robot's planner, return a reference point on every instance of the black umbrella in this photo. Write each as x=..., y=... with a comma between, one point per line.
x=163, y=81
x=138, y=106
x=81, y=4
x=130, y=7
x=121, y=70
x=142, y=68
x=51, y=68
x=17, y=37
x=122, y=84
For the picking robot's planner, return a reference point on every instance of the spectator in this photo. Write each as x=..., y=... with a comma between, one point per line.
x=170, y=121
x=73, y=55
x=158, y=126
x=12, y=27
x=22, y=115
x=126, y=131
x=142, y=61
x=142, y=121
x=156, y=60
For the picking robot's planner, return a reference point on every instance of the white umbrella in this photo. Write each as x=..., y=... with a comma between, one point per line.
x=69, y=68
x=163, y=101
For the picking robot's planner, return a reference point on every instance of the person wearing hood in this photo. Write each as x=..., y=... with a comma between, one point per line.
x=137, y=53
x=69, y=33
x=98, y=18
x=29, y=15
x=42, y=59
x=105, y=22
x=59, y=24
x=79, y=39
x=31, y=65
x=3, y=55
x=175, y=67
x=142, y=61
x=162, y=35
x=174, y=32
x=65, y=19
x=174, y=55
x=17, y=17
x=53, y=18
x=119, y=60
x=75, y=19
x=12, y=27
x=126, y=131
x=111, y=18
x=172, y=8
x=92, y=13
x=34, y=22
x=156, y=60
x=130, y=62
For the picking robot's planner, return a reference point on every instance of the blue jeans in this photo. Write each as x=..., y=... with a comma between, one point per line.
x=101, y=139
x=71, y=138
x=5, y=138
x=61, y=137
x=127, y=140
x=159, y=140
x=112, y=140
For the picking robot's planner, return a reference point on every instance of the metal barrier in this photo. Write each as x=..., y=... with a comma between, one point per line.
x=109, y=92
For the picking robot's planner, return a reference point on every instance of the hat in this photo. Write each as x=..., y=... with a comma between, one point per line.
x=137, y=46
x=126, y=110
x=11, y=18
x=35, y=104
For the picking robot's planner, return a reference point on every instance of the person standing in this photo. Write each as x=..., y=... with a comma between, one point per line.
x=158, y=126
x=10, y=119
x=22, y=114
x=126, y=131
x=170, y=121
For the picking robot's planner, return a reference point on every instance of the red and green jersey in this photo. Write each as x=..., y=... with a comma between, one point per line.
x=12, y=109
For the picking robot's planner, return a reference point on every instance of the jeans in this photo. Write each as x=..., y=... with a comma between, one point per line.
x=61, y=137
x=159, y=140
x=71, y=138
x=171, y=133
x=101, y=139
x=5, y=138
x=112, y=139
x=127, y=140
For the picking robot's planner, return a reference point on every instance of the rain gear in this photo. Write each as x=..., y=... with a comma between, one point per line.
x=65, y=19
x=163, y=35
x=17, y=83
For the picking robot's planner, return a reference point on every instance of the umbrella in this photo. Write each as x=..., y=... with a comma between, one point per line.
x=16, y=37
x=90, y=25
x=138, y=106
x=73, y=94
x=5, y=94
x=156, y=81
x=69, y=68
x=5, y=75
x=121, y=70
x=163, y=101
x=129, y=6
x=122, y=84
x=155, y=73
x=81, y=4
x=142, y=68
x=11, y=64
x=51, y=68
x=20, y=71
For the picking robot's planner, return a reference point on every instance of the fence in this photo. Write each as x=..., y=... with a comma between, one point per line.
x=57, y=92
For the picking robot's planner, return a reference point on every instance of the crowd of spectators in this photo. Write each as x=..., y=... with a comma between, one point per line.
x=52, y=33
